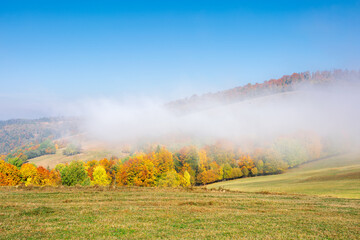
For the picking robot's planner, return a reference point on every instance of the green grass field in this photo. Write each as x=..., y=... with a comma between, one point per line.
x=148, y=213
x=336, y=176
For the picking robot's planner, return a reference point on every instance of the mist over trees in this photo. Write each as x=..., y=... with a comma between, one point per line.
x=187, y=166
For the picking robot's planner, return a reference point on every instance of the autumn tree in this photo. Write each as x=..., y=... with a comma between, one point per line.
x=169, y=179
x=90, y=166
x=29, y=174
x=185, y=181
x=236, y=173
x=203, y=161
x=47, y=177
x=100, y=176
x=164, y=161
x=214, y=174
x=9, y=174
x=139, y=170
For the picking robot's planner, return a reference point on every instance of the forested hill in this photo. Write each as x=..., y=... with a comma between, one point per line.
x=19, y=132
x=284, y=84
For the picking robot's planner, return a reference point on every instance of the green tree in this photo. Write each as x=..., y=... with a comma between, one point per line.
x=169, y=179
x=227, y=171
x=74, y=174
x=245, y=171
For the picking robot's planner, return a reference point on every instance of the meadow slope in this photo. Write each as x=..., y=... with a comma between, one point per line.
x=51, y=160
x=335, y=176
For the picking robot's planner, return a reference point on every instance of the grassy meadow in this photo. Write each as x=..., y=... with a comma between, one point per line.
x=336, y=176
x=150, y=213
x=317, y=200
x=51, y=160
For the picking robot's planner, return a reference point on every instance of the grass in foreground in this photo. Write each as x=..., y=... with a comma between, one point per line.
x=336, y=176
x=148, y=213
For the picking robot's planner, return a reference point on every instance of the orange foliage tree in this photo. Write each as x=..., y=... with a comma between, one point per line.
x=9, y=174
x=138, y=170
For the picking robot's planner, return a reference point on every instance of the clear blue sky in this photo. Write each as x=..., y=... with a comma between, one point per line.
x=68, y=50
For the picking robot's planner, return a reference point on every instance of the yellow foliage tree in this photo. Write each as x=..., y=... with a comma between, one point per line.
x=28, y=174
x=169, y=179
x=186, y=180
x=100, y=177
x=203, y=160
x=164, y=161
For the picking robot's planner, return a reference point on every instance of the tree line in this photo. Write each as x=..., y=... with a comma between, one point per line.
x=158, y=166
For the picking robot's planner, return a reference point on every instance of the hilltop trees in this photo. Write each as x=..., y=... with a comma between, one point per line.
x=284, y=84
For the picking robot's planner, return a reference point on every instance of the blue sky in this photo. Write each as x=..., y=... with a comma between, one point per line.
x=62, y=51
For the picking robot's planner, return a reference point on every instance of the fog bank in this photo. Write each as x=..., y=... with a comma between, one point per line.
x=330, y=111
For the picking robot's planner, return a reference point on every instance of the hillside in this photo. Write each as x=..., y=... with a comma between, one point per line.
x=18, y=132
x=335, y=176
x=286, y=83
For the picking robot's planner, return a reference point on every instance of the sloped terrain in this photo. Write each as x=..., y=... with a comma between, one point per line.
x=335, y=176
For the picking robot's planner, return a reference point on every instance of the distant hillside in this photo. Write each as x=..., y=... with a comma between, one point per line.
x=286, y=83
x=18, y=132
